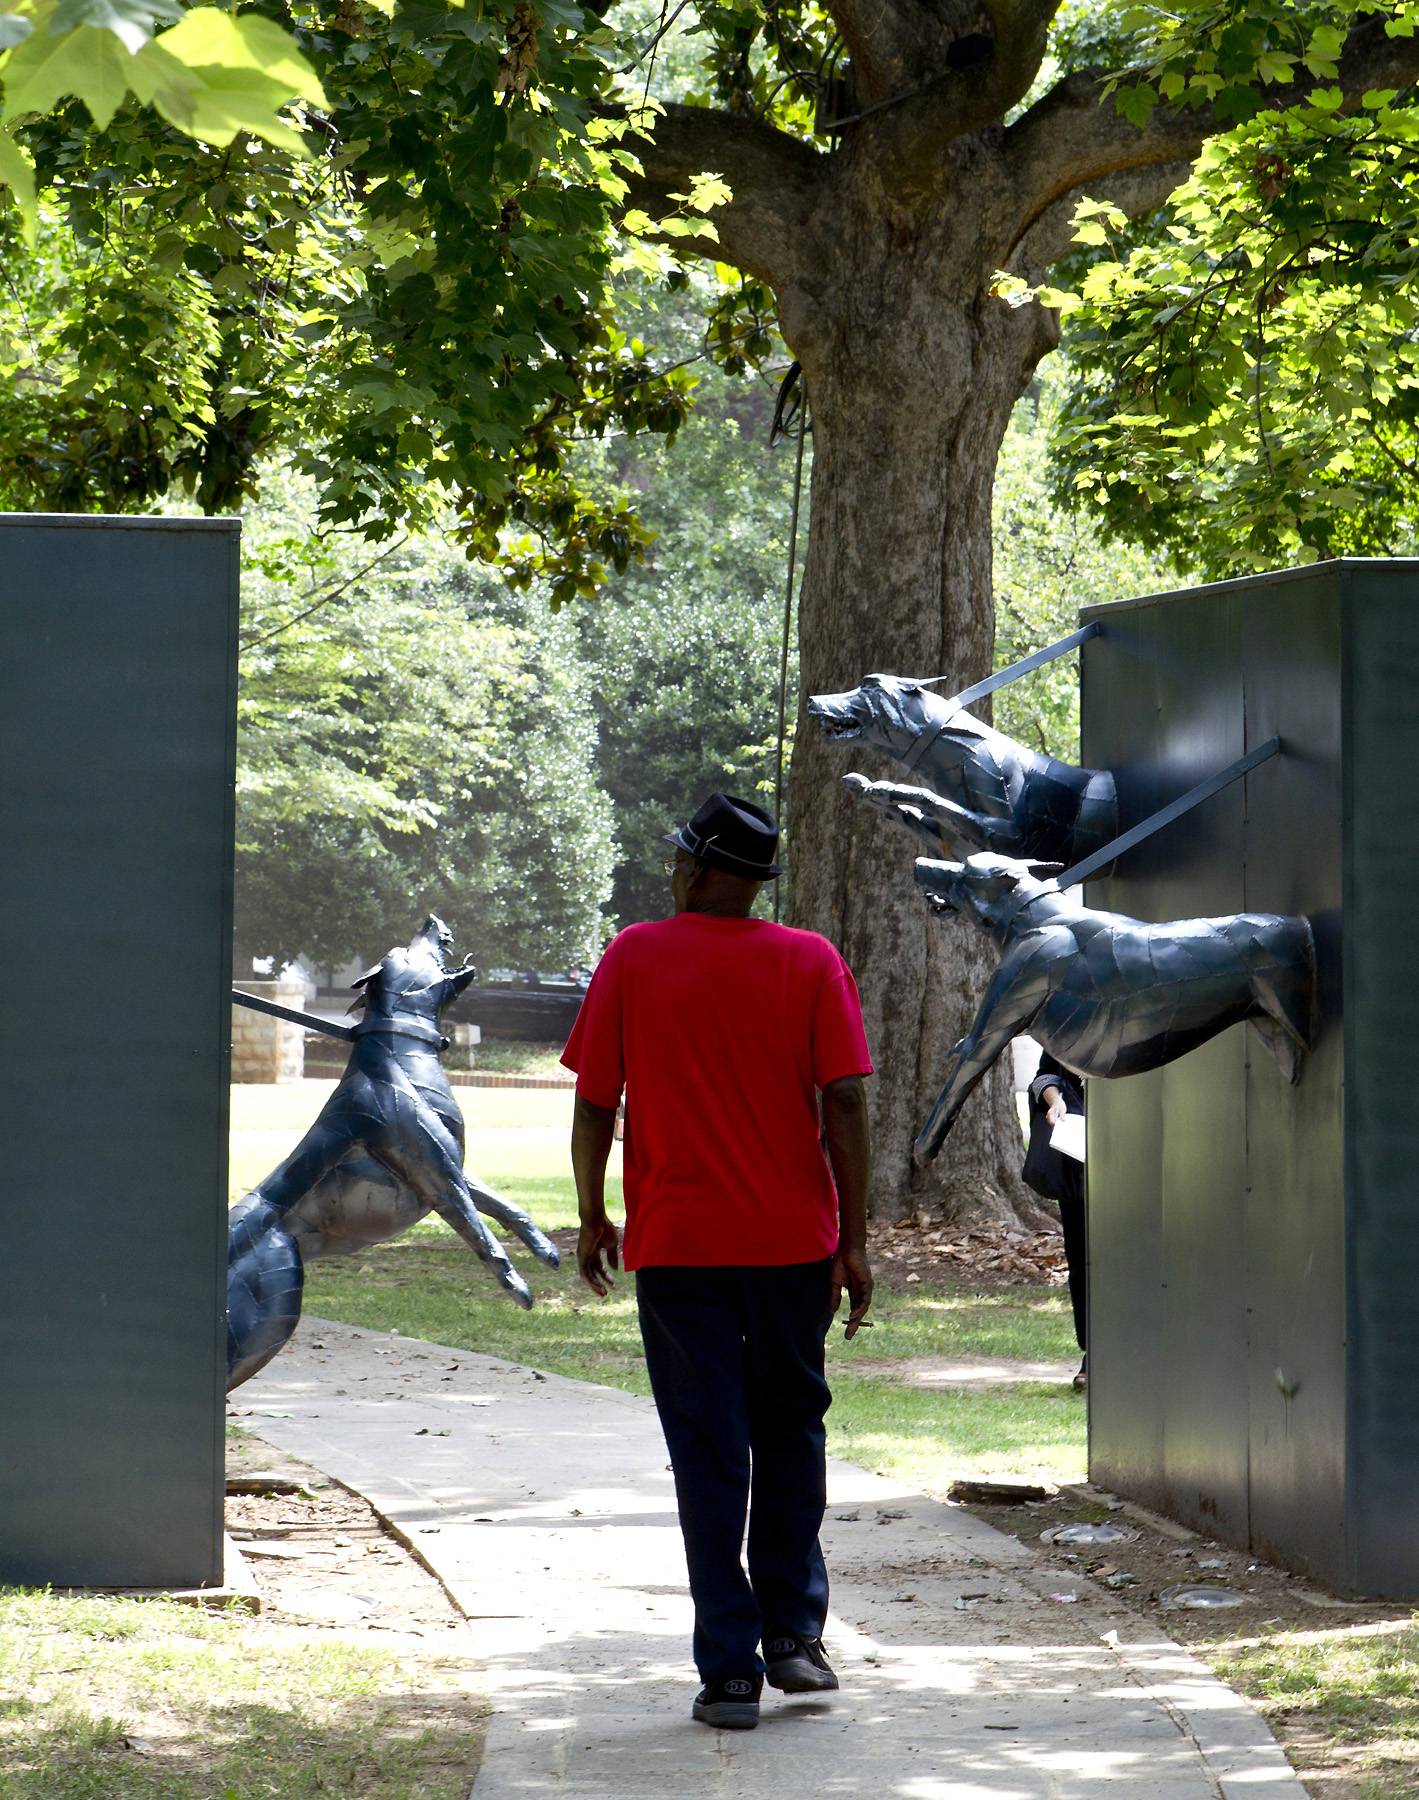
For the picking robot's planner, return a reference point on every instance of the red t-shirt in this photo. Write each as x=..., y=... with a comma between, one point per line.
x=721, y=1031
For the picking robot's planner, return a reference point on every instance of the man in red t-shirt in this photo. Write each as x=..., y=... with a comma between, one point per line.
x=723, y=1031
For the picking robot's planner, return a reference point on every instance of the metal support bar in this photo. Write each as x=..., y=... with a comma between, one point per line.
x=1027, y=666
x=345, y=1033
x=1166, y=814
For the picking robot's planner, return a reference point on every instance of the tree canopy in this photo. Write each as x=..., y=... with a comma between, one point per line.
x=382, y=236
x=424, y=308
x=1249, y=386
x=411, y=737
x=407, y=295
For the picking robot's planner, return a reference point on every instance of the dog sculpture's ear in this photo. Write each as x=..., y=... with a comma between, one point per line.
x=360, y=984
x=1045, y=871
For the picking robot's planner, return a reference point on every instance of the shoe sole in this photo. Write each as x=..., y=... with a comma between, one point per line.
x=799, y=1676
x=728, y=1715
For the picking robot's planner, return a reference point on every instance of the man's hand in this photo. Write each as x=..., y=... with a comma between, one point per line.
x=1053, y=1103
x=852, y=1271
x=593, y=1129
x=598, y=1236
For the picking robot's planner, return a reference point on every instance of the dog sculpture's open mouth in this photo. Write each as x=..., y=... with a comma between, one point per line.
x=939, y=879
x=839, y=725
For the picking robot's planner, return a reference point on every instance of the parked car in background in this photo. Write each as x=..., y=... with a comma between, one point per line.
x=529, y=1005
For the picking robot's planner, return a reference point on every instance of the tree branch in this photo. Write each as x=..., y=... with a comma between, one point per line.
x=767, y=228
x=1051, y=236
x=897, y=48
x=1076, y=135
x=973, y=80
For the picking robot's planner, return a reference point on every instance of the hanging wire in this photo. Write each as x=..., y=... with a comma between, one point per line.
x=790, y=421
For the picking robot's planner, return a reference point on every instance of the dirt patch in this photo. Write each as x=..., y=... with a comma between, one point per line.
x=923, y=1250
x=1156, y=1557
x=321, y=1559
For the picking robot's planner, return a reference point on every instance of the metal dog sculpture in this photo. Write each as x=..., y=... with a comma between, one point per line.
x=981, y=789
x=386, y=1149
x=1109, y=995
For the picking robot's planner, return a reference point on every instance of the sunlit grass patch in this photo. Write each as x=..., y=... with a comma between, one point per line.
x=428, y=1286
x=517, y=1141
x=926, y=1438
x=141, y=1700
x=1353, y=1688
x=1027, y=1324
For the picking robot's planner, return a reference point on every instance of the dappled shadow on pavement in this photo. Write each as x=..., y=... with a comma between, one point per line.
x=970, y=1669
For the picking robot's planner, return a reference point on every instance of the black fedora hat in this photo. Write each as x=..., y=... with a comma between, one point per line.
x=732, y=834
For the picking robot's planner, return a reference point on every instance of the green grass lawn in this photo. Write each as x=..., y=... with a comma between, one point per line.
x=517, y=1141
x=428, y=1285
x=1352, y=1690
x=110, y=1699
x=517, y=1056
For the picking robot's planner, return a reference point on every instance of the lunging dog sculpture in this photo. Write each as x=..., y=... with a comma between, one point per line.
x=1110, y=995
x=980, y=790
x=386, y=1149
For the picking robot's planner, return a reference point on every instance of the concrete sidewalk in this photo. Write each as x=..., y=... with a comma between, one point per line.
x=546, y=1508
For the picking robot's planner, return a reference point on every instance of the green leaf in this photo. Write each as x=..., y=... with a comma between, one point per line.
x=1273, y=66
x=208, y=38
x=1137, y=103
x=90, y=64
x=131, y=21
x=17, y=175
x=212, y=104
x=13, y=30
x=214, y=76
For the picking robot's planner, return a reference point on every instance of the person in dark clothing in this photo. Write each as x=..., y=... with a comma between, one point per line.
x=1055, y=1091
x=740, y=1049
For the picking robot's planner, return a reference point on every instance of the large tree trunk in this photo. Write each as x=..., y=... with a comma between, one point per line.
x=881, y=252
x=910, y=389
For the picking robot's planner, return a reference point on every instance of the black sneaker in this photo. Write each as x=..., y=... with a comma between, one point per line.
x=797, y=1665
x=732, y=1703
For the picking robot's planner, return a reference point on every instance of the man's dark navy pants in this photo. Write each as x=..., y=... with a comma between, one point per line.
x=735, y=1357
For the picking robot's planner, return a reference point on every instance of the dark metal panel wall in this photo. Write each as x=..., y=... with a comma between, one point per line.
x=1274, y=1228
x=1166, y=1159
x=117, y=665
x=1295, y=1217
x=1126, y=1268
x=1381, y=1005
x=1195, y=871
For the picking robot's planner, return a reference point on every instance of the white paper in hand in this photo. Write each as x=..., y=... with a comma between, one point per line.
x=1068, y=1136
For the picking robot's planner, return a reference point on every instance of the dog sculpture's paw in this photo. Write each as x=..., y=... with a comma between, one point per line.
x=541, y=1246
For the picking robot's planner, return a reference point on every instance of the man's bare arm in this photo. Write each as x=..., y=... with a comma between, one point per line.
x=850, y=1154
x=593, y=1133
